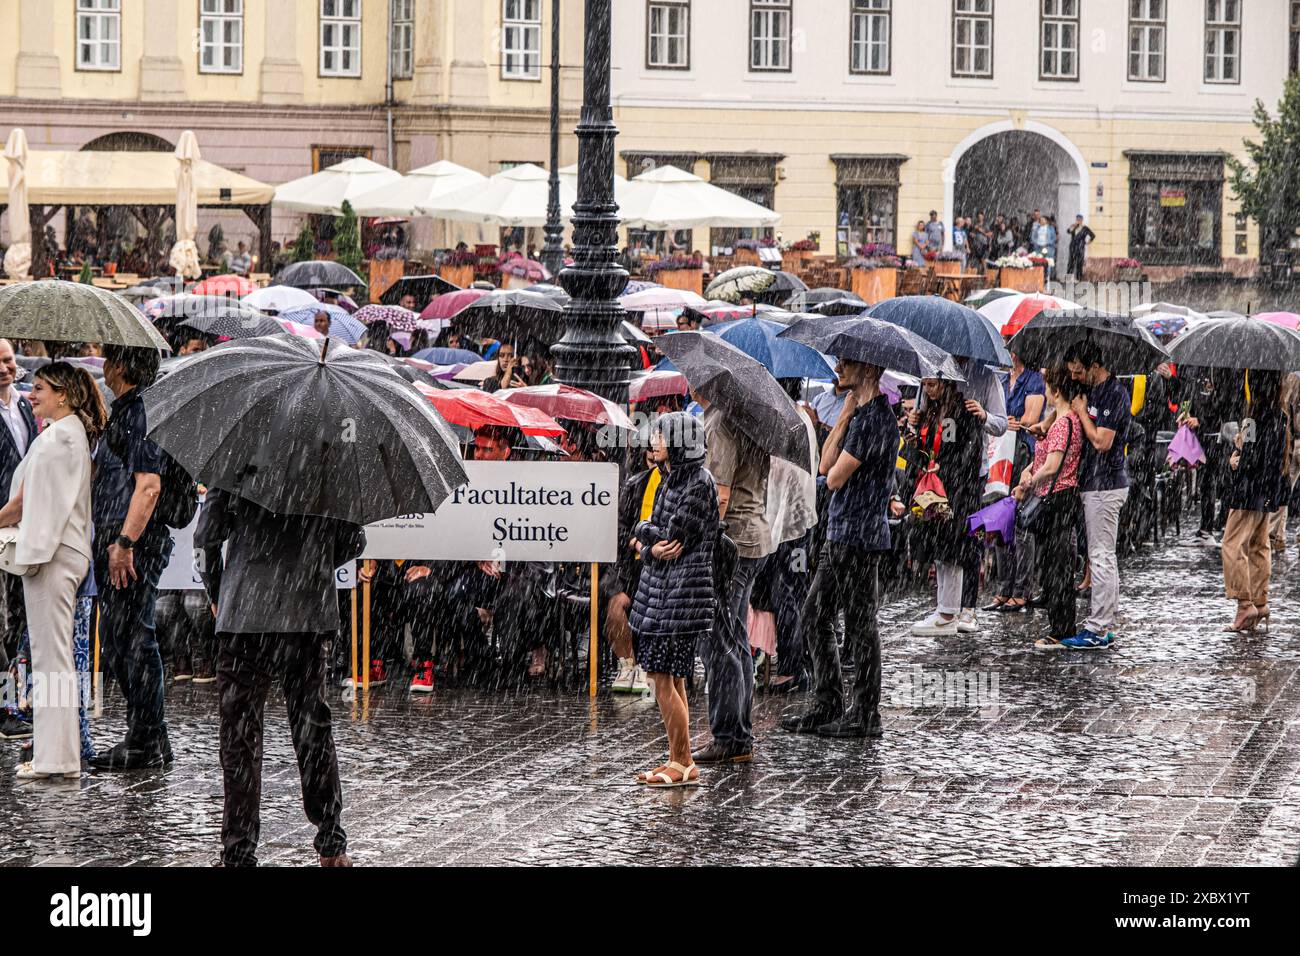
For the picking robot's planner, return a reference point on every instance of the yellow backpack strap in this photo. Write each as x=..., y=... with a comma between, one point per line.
x=1139, y=394
x=648, y=496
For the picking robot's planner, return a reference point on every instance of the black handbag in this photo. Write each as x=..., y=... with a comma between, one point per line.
x=1035, y=515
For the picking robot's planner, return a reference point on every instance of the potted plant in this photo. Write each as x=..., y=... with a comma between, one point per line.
x=873, y=273
x=947, y=263
x=457, y=267
x=803, y=249
x=1018, y=272
x=678, y=272
x=1128, y=270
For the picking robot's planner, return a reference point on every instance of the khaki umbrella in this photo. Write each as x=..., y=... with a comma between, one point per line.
x=18, y=259
x=185, y=254
x=51, y=309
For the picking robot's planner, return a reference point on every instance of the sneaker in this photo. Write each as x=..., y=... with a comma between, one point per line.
x=378, y=675
x=15, y=728
x=640, y=684
x=623, y=680
x=26, y=772
x=184, y=670
x=422, y=682
x=932, y=627
x=966, y=622
x=1086, y=640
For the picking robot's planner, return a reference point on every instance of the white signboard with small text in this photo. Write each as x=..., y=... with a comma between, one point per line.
x=182, y=571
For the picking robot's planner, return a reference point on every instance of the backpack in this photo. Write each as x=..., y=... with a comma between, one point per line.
x=179, y=499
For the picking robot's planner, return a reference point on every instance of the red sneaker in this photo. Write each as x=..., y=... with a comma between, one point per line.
x=377, y=673
x=422, y=682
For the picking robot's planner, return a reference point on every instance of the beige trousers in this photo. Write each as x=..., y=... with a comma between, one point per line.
x=51, y=598
x=1247, y=557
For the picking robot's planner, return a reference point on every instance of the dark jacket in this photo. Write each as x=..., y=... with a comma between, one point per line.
x=959, y=470
x=278, y=570
x=677, y=597
x=1260, y=482
x=9, y=456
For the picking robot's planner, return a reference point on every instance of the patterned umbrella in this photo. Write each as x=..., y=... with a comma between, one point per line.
x=394, y=316
x=742, y=281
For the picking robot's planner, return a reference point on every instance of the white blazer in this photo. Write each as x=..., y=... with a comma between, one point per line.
x=55, y=478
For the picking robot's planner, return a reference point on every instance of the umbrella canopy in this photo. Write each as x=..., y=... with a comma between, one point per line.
x=324, y=192
x=656, y=383
x=807, y=298
x=719, y=311
x=846, y=304
x=1161, y=324
x=18, y=257
x=513, y=197
x=875, y=342
x=786, y=286
x=957, y=329
x=1125, y=348
x=553, y=291
x=1286, y=319
x=173, y=308
x=279, y=298
x=1166, y=308
x=474, y=371
x=235, y=325
x=304, y=329
x=403, y=197
x=474, y=409
x=423, y=288
x=395, y=317
x=1238, y=344
x=656, y=320
x=308, y=428
x=229, y=285
x=70, y=312
x=343, y=301
x=448, y=304
x=185, y=254
x=440, y=356
x=742, y=281
x=783, y=357
x=1010, y=313
x=1224, y=314
x=316, y=273
x=670, y=198
x=633, y=334
x=660, y=297
x=753, y=402
x=639, y=285
x=983, y=297
x=512, y=315
x=565, y=401
x=166, y=284
x=140, y=293
x=342, y=326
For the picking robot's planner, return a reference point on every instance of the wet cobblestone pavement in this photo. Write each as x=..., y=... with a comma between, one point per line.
x=1180, y=746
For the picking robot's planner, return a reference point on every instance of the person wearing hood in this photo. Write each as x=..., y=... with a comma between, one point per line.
x=675, y=600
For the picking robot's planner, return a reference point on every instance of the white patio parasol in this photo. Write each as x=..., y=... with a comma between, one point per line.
x=18, y=258
x=513, y=197
x=185, y=254
x=422, y=186
x=324, y=192
x=671, y=198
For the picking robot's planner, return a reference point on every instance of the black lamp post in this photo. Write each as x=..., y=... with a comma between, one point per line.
x=552, y=249
x=592, y=354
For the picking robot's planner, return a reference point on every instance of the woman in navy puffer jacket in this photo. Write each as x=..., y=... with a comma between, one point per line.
x=674, y=600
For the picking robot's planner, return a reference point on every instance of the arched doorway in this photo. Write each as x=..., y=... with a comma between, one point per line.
x=1011, y=169
x=130, y=236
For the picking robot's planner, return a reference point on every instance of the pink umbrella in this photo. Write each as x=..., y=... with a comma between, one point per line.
x=565, y=401
x=297, y=328
x=516, y=265
x=448, y=304
x=656, y=384
x=1286, y=319
x=394, y=316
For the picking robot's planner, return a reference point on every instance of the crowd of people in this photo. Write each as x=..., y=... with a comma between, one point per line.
x=977, y=241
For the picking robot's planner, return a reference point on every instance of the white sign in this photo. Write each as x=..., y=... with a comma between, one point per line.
x=512, y=511
x=182, y=571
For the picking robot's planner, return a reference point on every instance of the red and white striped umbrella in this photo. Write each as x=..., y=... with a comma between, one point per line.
x=1010, y=313
x=565, y=401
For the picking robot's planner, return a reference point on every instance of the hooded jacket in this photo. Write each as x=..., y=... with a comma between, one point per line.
x=677, y=597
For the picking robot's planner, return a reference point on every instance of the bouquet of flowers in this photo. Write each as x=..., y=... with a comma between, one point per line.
x=930, y=499
x=675, y=262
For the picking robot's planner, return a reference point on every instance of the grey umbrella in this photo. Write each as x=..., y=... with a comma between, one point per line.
x=1237, y=344
x=875, y=342
x=235, y=324
x=59, y=311
x=318, y=272
x=306, y=427
x=752, y=400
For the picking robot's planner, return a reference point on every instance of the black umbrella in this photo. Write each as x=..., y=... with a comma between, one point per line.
x=1238, y=344
x=805, y=299
x=847, y=304
x=235, y=324
x=956, y=329
x=166, y=285
x=423, y=288
x=752, y=400
x=318, y=272
x=1122, y=346
x=510, y=315
x=877, y=343
x=305, y=427
x=786, y=285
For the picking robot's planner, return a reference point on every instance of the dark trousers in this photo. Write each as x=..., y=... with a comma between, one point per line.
x=728, y=663
x=788, y=569
x=1075, y=268
x=1056, y=556
x=15, y=621
x=1215, y=478
x=246, y=665
x=130, y=645
x=186, y=630
x=971, y=563
x=846, y=579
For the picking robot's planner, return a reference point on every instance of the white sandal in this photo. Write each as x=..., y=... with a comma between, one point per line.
x=661, y=781
x=27, y=772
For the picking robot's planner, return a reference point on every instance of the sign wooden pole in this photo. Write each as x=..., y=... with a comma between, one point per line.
x=593, y=653
x=365, y=636
x=354, y=639
x=96, y=682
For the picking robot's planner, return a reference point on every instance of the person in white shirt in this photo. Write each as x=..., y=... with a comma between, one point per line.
x=49, y=505
x=242, y=261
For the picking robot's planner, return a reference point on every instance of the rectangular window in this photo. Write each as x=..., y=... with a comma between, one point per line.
x=403, y=52
x=323, y=157
x=1146, y=41
x=668, y=36
x=99, y=34
x=221, y=36
x=1059, y=54
x=972, y=38
x=1295, y=36
x=1222, y=41
x=521, y=39
x=1176, y=208
x=340, y=37
x=866, y=215
x=769, y=35
x=869, y=33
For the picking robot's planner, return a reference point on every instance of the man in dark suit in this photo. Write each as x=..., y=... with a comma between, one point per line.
x=277, y=613
x=15, y=439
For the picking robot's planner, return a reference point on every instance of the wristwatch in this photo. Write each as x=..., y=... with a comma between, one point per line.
x=123, y=542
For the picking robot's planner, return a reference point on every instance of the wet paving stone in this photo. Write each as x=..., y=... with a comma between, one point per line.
x=1180, y=746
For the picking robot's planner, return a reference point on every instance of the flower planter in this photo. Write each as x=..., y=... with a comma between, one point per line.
x=383, y=273
x=874, y=285
x=457, y=275
x=745, y=257
x=946, y=267
x=796, y=257
x=1128, y=275
x=1021, y=280
x=688, y=279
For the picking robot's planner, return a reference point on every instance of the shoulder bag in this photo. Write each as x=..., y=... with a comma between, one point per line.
x=1035, y=514
x=8, y=545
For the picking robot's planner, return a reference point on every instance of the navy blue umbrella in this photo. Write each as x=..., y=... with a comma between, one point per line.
x=956, y=329
x=783, y=357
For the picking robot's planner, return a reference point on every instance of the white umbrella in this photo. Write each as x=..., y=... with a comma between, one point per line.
x=280, y=298
x=324, y=192
x=417, y=188
x=185, y=254
x=514, y=197
x=1153, y=309
x=18, y=258
x=660, y=298
x=671, y=198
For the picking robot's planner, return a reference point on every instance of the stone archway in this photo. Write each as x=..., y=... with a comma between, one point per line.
x=1012, y=168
